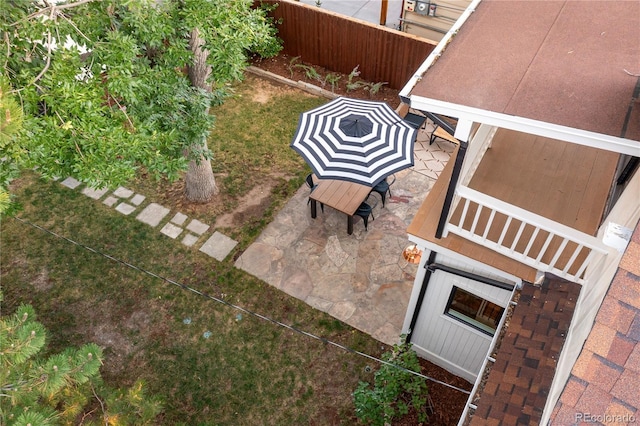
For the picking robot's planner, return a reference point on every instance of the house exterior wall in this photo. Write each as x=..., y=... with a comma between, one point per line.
x=451, y=344
x=509, y=87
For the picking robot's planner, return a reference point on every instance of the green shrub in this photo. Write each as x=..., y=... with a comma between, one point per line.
x=332, y=79
x=375, y=87
x=395, y=389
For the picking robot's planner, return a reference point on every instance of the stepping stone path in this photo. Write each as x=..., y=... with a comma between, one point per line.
x=190, y=231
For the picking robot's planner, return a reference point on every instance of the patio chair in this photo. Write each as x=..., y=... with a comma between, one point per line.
x=312, y=186
x=417, y=121
x=364, y=211
x=383, y=187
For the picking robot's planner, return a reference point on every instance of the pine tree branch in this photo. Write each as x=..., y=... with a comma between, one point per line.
x=104, y=414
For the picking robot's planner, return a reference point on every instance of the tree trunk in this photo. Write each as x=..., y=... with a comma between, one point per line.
x=200, y=184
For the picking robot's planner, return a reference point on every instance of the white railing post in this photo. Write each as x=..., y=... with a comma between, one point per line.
x=562, y=234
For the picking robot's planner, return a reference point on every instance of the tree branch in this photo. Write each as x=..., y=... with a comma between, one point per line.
x=52, y=9
x=71, y=5
x=46, y=66
x=124, y=111
x=104, y=414
x=75, y=27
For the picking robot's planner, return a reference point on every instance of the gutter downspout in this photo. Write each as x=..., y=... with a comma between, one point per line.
x=423, y=291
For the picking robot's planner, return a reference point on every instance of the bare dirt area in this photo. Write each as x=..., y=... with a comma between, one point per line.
x=264, y=91
x=251, y=205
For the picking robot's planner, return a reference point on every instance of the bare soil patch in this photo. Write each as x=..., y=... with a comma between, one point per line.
x=264, y=91
x=251, y=205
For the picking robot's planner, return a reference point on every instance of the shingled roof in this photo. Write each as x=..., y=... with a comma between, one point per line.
x=604, y=384
x=519, y=381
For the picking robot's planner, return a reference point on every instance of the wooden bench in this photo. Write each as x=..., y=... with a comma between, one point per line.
x=439, y=132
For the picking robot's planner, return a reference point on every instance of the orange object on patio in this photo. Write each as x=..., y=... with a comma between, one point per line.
x=412, y=254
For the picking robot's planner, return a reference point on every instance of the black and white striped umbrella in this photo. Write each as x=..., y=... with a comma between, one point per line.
x=354, y=140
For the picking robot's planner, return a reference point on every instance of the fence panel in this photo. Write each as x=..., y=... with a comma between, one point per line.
x=341, y=43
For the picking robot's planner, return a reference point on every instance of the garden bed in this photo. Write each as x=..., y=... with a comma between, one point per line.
x=350, y=85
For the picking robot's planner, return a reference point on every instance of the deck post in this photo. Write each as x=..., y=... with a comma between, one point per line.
x=451, y=190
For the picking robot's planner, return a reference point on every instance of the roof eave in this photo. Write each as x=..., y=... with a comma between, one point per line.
x=437, y=51
x=526, y=125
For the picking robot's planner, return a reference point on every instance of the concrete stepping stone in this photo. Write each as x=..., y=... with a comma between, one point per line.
x=125, y=209
x=197, y=227
x=96, y=194
x=71, y=183
x=123, y=192
x=152, y=214
x=110, y=201
x=189, y=240
x=171, y=230
x=137, y=199
x=218, y=246
x=179, y=219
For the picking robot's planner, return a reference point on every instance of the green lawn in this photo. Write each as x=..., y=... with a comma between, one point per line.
x=209, y=362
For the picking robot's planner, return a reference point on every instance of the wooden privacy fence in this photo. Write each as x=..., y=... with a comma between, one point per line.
x=340, y=43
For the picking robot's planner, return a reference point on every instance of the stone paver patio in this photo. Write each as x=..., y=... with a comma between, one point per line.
x=361, y=279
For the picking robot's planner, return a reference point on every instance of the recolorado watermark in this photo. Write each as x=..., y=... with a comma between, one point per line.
x=606, y=418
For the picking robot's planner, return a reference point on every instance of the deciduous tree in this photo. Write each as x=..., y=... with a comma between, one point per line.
x=107, y=88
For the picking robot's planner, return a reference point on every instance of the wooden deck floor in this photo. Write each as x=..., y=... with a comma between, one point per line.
x=564, y=182
x=561, y=181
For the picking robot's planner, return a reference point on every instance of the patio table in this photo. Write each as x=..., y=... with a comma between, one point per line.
x=342, y=195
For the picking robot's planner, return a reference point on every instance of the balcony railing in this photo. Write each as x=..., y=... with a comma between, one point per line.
x=521, y=235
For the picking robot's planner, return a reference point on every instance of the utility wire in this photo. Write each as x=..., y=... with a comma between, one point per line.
x=239, y=308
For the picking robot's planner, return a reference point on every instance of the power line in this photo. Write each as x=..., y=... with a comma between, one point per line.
x=237, y=307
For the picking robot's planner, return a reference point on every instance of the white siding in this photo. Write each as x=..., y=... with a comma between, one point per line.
x=445, y=341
